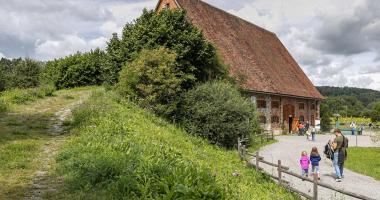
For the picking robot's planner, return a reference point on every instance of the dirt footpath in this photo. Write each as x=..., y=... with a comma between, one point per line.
x=289, y=149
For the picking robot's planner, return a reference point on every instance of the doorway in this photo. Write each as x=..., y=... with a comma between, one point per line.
x=290, y=123
x=288, y=111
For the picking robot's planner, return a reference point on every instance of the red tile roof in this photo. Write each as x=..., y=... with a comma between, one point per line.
x=252, y=52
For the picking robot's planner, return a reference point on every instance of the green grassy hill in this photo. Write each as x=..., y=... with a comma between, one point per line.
x=119, y=150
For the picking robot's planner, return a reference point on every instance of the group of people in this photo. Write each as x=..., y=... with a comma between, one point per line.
x=304, y=129
x=334, y=150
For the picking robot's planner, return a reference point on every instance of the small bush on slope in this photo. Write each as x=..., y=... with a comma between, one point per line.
x=3, y=106
x=20, y=96
x=153, y=81
x=122, y=151
x=216, y=111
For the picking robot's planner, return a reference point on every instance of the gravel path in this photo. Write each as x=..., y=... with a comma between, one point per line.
x=43, y=185
x=289, y=149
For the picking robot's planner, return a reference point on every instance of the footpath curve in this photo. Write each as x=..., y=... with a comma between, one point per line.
x=289, y=149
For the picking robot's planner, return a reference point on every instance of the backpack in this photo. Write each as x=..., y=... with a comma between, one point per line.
x=328, y=151
x=344, y=147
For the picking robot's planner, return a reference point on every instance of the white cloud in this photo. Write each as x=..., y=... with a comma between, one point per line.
x=68, y=45
x=335, y=42
x=2, y=55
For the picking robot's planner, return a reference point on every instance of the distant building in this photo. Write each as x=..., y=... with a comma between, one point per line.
x=268, y=74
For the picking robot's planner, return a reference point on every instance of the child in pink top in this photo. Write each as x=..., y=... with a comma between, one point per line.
x=305, y=162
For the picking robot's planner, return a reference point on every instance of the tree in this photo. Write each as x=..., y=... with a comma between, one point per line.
x=375, y=113
x=196, y=58
x=217, y=111
x=19, y=73
x=115, y=60
x=153, y=80
x=325, y=117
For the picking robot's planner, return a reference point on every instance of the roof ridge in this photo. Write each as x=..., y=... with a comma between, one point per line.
x=251, y=23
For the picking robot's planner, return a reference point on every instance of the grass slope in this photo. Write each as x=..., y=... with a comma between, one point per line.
x=24, y=130
x=120, y=151
x=364, y=160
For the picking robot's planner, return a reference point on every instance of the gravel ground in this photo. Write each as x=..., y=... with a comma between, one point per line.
x=289, y=149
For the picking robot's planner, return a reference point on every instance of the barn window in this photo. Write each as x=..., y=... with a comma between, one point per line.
x=262, y=119
x=301, y=106
x=261, y=104
x=275, y=104
x=302, y=118
x=275, y=119
x=312, y=106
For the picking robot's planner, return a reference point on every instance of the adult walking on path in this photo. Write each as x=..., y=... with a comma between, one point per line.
x=339, y=145
x=353, y=128
x=288, y=149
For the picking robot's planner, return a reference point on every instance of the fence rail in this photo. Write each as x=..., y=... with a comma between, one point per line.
x=243, y=153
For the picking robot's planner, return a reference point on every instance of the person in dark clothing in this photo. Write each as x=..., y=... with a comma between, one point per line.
x=314, y=159
x=307, y=126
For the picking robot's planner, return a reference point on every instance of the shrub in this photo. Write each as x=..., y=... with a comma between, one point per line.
x=153, y=81
x=75, y=70
x=3, y=106
x=20, y=96
x=19, y=73
x=218, y=112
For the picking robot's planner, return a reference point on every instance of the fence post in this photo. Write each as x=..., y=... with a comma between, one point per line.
x=272, y=135
x=239, y=148
x=243, y=151
x=315, y=188
x=257, y=161
x=279, y=173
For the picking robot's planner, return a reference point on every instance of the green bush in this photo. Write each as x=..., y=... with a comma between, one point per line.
x=218, y=112
x=19, y=73
x=153, y=81
x=21, y=96
x=81, y=69
x=119, y=151
x=3, y=106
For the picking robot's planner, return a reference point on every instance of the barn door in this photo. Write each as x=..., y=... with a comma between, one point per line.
x=288, y=116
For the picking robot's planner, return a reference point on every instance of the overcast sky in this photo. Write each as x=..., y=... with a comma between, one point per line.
x=337, y=43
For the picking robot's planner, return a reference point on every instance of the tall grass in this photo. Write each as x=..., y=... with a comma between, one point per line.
x=122, y=152
x=21, y=96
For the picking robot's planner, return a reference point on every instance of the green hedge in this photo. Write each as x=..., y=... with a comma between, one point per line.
x=217, y=111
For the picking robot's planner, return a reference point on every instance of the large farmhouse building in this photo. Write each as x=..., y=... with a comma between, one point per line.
x=266, y=71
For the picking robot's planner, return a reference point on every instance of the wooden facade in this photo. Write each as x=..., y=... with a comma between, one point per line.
x=282, y=113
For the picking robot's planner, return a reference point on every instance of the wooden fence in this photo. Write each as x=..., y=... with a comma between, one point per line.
x=243, y=153
x=264, y=136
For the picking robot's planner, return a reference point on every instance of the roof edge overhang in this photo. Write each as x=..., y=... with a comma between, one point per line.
x=283, y=95
x=159, y=2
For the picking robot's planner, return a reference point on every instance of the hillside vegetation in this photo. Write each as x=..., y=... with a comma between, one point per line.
x=365, y=96
x=120, y=150
x=354, y=104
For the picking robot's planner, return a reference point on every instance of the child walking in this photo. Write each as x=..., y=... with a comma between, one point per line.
x=305, y=162
x=315, y=158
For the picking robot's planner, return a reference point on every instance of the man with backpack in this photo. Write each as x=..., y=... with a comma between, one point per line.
x=339, y=145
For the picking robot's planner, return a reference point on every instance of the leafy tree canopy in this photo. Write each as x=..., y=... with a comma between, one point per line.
x=19, y=73
x=196, y=57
